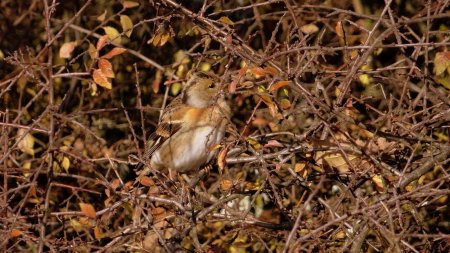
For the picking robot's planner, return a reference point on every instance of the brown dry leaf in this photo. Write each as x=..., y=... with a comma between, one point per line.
x=88, y=210
x=273, y=143
x=258, y=72
x=232, y=87
x=271, y=70
x=157, y=81
x=114, y=52
x=339, y=29
x=158, y=213
x=100, y=79
x=226, y=184
x=335, y=159
x=113, y=34
x=260, y=122
x=270, y=104
x=127, y=25
x=106, y=67
x=278, y=85
x=102, y=17
x=221, y=158
x=66, y=49
x=383, y=144
x=243, y=70
x=160, y=38
x=102, y=42
x=129, y=4
x=225, y=20
x=115, y=183
x=15, y=233
x=153, y=190
x=309, y=28
x=146, y=181
x=299, y=167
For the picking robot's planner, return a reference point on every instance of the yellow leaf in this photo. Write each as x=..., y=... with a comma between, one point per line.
x=254, y=143
x=27, y=143
x=364, y=79
x=175, y=88
x=113, y=34
x=127, y=25
x=65, y=163
x=88, y=210
x=76, y=225
x=444, y=80
x=115, y=51
x=106, y=67
x=155, y=39
x=309, y=28
x=225, y=20
x=339, y=235
x=379, y=183
x=205, y=67
x=26, y=167
x=129, y=4
x=98, y=233
x=441, y=62
x=164, y=38
x=15, y=233
x=93, y=53
x=100, y=78
x=66, y=49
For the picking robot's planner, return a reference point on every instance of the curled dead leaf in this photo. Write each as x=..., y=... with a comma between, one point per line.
x=278, y=85
x=114, y=52
x=225, y=20
x=106, y=67
x=100, y=79
x=66, y=49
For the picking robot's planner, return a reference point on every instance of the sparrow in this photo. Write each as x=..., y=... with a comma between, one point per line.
x=190, y=127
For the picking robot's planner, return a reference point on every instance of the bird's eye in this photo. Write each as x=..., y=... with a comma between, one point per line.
x=211, y=85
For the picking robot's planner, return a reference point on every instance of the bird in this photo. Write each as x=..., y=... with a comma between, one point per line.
x=190, y=127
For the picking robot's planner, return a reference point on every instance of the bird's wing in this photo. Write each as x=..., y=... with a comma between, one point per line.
x=171, y=122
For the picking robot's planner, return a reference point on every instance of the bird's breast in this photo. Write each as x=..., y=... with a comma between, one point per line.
x=189, y=148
